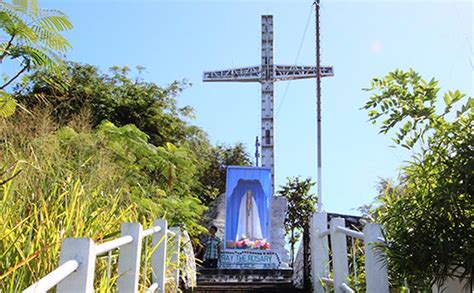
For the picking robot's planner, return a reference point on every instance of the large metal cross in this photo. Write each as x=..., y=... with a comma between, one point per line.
x=267, y=74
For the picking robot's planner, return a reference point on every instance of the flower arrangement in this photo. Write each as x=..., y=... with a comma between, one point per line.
x=245, y=243
x=261, y=244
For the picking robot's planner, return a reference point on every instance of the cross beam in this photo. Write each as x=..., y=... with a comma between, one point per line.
x=267, y=74
x=255, y=74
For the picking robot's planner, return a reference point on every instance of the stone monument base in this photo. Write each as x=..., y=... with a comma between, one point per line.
x=215, y=215
x=279, y=206
x=249, y=259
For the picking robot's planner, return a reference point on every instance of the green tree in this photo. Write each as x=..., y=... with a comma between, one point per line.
x=30, y=38
x=429, y=214
x=213, y=168
x=116, y=97
x=122, y=99
x=301, y=205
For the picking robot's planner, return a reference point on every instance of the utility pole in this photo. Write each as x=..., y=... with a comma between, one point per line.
x=318, y=104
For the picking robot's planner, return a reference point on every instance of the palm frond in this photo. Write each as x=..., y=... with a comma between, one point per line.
x=9, y=18
x=33, y=38
x=51, y=39
x=38, y=56
x=26, y=6
x=53, y=20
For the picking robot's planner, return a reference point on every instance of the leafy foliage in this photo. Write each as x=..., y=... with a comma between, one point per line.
x=301, y=205
x=83, y=183
x=429, y=214
x=160, y=178
x=7, y=104
x=123, y=100
x=33, y=39
x=115, y=97
x=212, y=173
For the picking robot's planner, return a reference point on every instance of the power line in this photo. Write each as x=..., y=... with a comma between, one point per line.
x=296, y=61
x=468, y=38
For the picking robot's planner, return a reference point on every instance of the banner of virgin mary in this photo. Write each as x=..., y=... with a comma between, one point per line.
x=248, y=193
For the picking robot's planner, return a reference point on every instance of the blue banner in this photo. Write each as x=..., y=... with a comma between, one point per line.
x=248, y=193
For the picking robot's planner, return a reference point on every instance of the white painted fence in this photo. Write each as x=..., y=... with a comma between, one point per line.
x=375, y=266
x=78, y=255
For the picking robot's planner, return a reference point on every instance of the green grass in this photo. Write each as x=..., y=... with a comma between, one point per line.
x=70, y=184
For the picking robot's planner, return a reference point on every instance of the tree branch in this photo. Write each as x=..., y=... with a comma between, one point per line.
x=5, y=51
x=13, y=78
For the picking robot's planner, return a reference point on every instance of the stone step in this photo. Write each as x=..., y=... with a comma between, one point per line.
x=246, y=288
x=244, y=276
x=244, y=280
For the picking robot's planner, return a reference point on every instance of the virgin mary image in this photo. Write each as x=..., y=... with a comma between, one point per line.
x=249, y=223
x=246, y=211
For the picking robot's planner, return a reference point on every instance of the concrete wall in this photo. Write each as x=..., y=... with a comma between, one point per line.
x=277, y=233
x=298, y=268
x=215, y=215
x=188, y=266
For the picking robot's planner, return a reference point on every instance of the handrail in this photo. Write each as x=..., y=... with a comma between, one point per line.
x=324, y=233
x=346, y=288
x=150, y=231
x=152, y=288
x=106, y=246
x=53, y=278
x=350, y=232
x=79, y=255
x=328, y=281
x=376, y=274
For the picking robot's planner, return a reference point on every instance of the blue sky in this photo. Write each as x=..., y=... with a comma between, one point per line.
x=178, y=40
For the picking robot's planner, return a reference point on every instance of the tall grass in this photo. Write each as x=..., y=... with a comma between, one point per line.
x=70, y=185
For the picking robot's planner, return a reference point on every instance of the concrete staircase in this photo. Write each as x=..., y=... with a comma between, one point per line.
x=243, y=281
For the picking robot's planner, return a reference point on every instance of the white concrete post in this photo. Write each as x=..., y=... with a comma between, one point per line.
x=129, y=259
x=375, y=262
x=81, y=280
x=339, y=254
x=158, y=257
x=175, y=252
x=319, y=250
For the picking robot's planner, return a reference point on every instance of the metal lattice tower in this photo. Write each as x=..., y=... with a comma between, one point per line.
x=267, y=74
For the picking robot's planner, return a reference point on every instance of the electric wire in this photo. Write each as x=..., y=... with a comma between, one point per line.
x=459, y=49
x=460, y=21
x=280, y=104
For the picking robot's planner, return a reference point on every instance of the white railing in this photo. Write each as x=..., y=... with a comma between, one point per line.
x=375, y=266
x=78, y=255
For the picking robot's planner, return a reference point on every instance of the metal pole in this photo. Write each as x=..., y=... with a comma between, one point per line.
x=257, y=154
x=318, y=104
